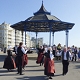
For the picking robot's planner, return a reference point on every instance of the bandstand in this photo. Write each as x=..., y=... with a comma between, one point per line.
x=43, y=21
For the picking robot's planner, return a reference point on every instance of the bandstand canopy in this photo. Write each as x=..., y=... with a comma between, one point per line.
x=42, y=21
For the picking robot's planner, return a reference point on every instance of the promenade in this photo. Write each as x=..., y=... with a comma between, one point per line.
x=35, y=72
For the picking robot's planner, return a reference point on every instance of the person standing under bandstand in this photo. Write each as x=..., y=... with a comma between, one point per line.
x=40, y=55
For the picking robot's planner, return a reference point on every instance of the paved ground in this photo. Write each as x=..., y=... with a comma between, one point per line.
x=35, y=72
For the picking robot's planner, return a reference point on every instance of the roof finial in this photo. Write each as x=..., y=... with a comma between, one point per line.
x=42, y=2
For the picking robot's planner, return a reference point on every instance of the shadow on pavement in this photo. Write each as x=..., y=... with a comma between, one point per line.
x=34, y=70
x=37, y=77
x=77, y=66
x=9, y=74
x=6, y=71
x=3, y=71
x=33, y=78
x=57, y=75
x=33, y=66
x=76, y=63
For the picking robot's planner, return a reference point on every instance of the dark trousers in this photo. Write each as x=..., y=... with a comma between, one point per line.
x=19, y=65
x=42, y=61
x=75, y=57
x=65, y=66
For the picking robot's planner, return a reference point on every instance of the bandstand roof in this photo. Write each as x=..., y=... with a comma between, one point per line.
x=42, y=21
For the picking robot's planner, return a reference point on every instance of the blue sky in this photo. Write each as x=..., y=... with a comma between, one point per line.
x=13, y=11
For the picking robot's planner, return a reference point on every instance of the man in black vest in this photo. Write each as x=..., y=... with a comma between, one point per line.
x=65, y=60
x=20, y=52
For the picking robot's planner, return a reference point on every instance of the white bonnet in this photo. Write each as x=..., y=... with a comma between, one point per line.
x=50, y=48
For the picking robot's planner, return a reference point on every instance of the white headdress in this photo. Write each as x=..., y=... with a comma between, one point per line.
x=51, y=55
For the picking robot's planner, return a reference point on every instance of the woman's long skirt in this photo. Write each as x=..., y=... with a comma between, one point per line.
x=9, y=63
x=49, y=69
x=40, y=58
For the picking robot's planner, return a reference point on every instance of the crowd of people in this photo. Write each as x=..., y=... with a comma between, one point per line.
x=74, y=51
x=46, y=57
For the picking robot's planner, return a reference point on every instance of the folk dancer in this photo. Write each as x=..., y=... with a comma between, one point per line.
x=9, y=62
x=49, y=69
x=15, y=49
x=40, y=55
x=75, y=53
x=54, y=50
x=79, y=54
x=20, y=52
x=25, y=58
x=72, y=52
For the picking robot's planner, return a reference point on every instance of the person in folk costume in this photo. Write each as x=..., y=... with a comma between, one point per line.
x=25, y=58
x=75, y=53
x=15, y=49
x=49, y=69
x=20, y=52
x=73, y=48
x=9, y=62
x=54, y=50
x=58, y=55
x=40, y=55
x=65, y=59
x=79, y=54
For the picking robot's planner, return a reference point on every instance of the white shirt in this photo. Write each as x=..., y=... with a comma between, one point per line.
x=65, y=58
x=16, y=49
x=51, y=56
x=58, y=54
x=72, y=49
x=23, y=50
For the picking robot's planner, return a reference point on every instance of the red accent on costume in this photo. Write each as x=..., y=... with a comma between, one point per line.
x=39, y=58
x=50, y=65
x=14, y=63
x=51, y=68
x=24, y=60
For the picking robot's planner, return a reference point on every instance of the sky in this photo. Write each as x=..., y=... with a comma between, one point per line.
x=13, y=11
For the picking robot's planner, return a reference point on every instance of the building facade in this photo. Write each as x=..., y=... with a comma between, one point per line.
x=39, y=42
x=9, y=38
x=6, y=35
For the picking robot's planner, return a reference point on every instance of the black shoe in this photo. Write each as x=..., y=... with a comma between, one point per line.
x=40, y=64
x=50, y=77
x=21, y=74
x=8, y=69
x=64, y=74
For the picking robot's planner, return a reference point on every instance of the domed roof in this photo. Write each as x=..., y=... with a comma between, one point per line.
x=42, y=10
x=42, y=21
x=42, y=14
